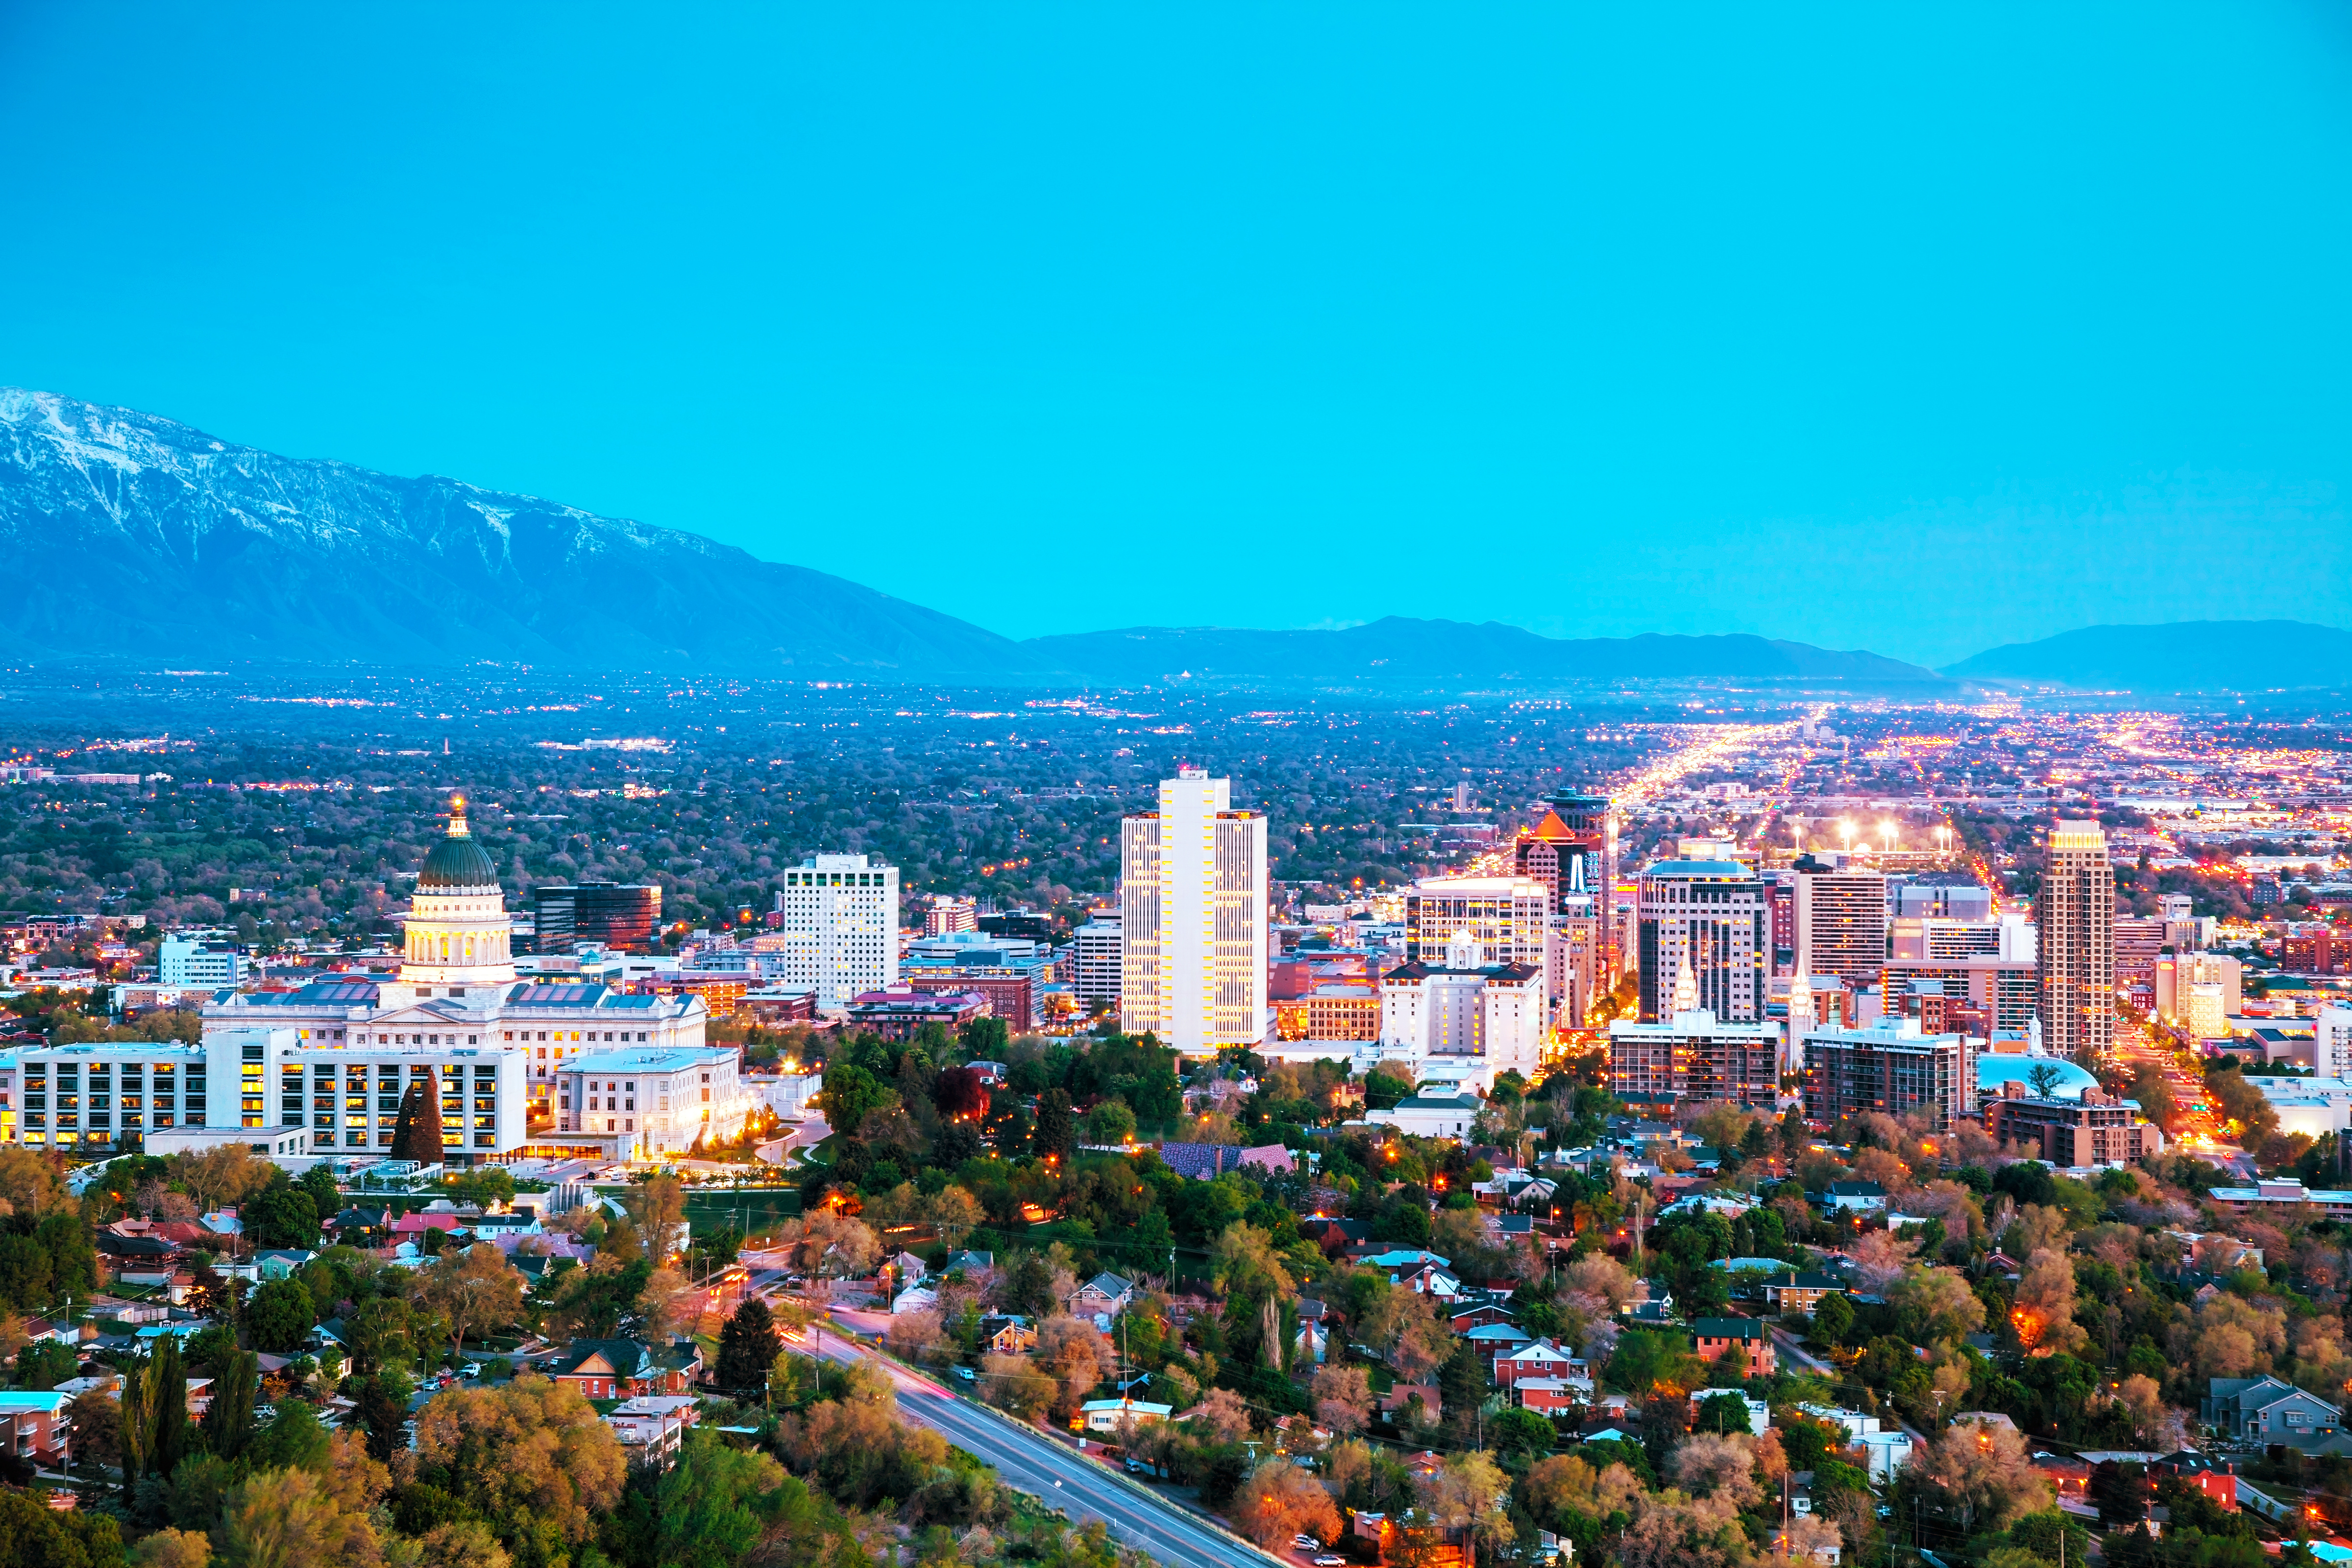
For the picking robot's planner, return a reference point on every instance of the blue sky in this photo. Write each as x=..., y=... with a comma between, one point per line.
x=1901, y=328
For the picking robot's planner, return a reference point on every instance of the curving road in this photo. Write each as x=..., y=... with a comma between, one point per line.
x=1036, y=1464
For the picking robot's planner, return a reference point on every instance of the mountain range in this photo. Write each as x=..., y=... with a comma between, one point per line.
x=2185, y=656
x=134, y=537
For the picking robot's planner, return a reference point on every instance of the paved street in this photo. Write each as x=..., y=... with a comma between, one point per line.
x=1037, y=1464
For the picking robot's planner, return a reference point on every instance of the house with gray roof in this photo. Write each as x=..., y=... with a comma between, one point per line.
x=2266, y=1410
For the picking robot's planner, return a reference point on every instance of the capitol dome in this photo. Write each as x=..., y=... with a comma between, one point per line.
x=459, y=933
x=1992, y=1072
x=458, y=861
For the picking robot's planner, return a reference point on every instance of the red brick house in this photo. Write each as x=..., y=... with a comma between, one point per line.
x=625, y=1369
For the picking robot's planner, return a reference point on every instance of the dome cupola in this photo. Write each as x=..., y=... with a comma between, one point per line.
x=458, y=861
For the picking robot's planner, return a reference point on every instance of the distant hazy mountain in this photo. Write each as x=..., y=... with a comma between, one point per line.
x=128, y=535
x=2187, y=656
x=1401, y=650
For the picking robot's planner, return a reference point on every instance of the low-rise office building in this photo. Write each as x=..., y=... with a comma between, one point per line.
x=646, y=1103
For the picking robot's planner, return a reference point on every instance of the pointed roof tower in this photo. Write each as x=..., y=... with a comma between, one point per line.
x=1686, y=988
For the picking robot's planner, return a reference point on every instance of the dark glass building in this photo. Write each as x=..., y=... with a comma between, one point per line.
x=619, y=915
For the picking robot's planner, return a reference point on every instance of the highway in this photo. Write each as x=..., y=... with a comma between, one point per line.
x=1036, y=1464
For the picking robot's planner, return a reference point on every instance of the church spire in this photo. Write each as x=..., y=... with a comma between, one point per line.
x=1686, y=988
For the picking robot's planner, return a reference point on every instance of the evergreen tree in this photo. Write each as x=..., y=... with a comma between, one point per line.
x=155, y=1416
x=748, y=1346
x=383, y=1412
x=228, y=1421
x=1056, y=1135
x=417, y=1133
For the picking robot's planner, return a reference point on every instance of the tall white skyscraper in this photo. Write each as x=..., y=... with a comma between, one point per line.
x=1192, y=893
x=841, y=927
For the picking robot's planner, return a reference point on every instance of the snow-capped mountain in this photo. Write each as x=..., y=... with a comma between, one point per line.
x=127, y=534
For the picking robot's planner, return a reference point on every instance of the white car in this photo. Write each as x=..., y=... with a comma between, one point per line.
x=1306, y=1543
x=1328, y=1560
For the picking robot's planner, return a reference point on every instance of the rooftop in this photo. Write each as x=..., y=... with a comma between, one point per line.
x=651, y=1059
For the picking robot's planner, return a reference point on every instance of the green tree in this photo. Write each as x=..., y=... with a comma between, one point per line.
x=25, y=1272
x=383, y=1403
x=326, y=1199
x=748, y=1346
x=851, y=1095
x=716, y=1503
x=44, y=1366
x=155, y=1414
x=294, y=1438
x=42, y=1537
x=1832, y=1320
x=1723, y=1413
x=1110, y=1121
x=282, y=1216
x=1055, y=1137
x=228, y=1424
x=281, y=1316
x=1520, y=1436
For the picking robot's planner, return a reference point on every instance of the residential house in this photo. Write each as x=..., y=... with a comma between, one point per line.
x=1800, y=1291
x=1491, y=1340
x=1552, y=1396
x=652, y=1427
x=914, y=1298
x=1424, y=1273
x=1105, y=1414
x=971, y=1263
x=2263, y=1410
x=1335, y=1236
x=1759, y=1414
x=1540, y=1359
x=625, y=1369
x=2216, y=1477
x=1754, y=1342
x=1883, y=1451
x=1007, y=1336
x=1205, y=1162
x=1478, y=1309
x=1845, y=1196
x=1403, y=1395
x=1730, y=1205
x=1104, y=1296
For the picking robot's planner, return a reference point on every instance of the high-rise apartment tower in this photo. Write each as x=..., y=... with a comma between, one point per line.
x=1192, y=893
x=2076, y=913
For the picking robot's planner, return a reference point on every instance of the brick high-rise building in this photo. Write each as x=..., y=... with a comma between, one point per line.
x=2076, y=917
